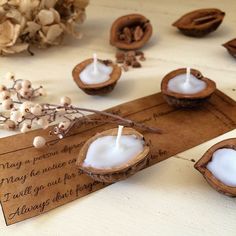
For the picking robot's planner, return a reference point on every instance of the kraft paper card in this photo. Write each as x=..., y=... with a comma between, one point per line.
x=35, y=181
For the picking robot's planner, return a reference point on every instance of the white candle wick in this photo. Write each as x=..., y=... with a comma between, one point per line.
x=188, y=71
x=119, y=133
x=95, y=63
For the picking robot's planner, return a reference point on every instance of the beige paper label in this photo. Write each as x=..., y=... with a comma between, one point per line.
x=35, y=181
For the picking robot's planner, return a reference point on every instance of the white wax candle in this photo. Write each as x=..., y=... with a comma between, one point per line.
x=223, y=166
x=186, y=84
x=96, y=72
x=103, y=153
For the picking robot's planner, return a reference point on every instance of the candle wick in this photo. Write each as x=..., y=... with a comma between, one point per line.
x=95, y=63
x=188, y=71
x=119, y=133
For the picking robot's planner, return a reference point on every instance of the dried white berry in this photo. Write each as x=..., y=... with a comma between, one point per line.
x=55, y=130
x=60, y=111
x=26, y=84
x=7, y=104
x=9, y=125
x=26, y=92
x=16, y=116
x=5, y=95
x=36, y=110
x=39, y=142
x=25, y=128
x=65, y=101
x=43, y=122
x=10, y=76
x=18, y=86
x=64, y=125
x=25, y=107
x=23, y=93
x=42, y=92
x=2, y=87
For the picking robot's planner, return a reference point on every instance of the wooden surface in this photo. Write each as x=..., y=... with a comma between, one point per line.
x=170, y=198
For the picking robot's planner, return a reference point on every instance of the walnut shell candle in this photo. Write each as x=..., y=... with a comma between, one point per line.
x=231, y=47
x=97, y=88
x=223, y=170
x=186, y=100
x=200, y=22
x=113, y=173
x=130, y=32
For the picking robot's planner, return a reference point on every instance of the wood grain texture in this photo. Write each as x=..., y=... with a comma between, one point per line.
x=170, y=198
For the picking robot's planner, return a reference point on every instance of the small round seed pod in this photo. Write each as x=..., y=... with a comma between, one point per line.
x=7, y=104
x=39, y=142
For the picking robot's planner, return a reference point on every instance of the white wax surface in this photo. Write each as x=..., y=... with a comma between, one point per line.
x=178, y=84
x=223, y=166
x=103, y=153
x=102, y=74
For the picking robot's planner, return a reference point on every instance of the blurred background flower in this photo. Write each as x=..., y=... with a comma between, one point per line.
x=33, y=22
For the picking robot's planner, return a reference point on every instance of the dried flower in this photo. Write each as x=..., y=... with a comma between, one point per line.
x=42, y=23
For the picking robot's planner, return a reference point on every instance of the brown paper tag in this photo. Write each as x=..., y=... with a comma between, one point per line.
x=35, y=181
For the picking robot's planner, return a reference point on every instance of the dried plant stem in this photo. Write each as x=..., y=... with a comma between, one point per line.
x=124, y=121
x=116, y=118
x=23, y=114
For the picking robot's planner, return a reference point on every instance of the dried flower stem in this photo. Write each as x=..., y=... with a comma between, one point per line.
x=24, y=114
x=122, y=120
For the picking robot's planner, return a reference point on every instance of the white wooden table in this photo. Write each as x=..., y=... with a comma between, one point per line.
x=169, y=198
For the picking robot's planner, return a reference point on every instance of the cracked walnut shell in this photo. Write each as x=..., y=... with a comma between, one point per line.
x=101, y=88
x=210, y=178
x=200, y=22
x=130, y=32
x=187, y=100
x=231, y=47
x=117, y=173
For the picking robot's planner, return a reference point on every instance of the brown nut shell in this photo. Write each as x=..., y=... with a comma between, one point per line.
x=136, y=30
x=120, y=172
x=96, y=89
x=187, y=100
x=231, y=47
x=200, y=22
x=210, y=178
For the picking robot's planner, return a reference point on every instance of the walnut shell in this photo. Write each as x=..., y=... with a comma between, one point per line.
x=117, y=173
x=210, y=178
x=231, y=47
x=96, y=89
x=187, y=100
x=200, y=22
x=130, y=32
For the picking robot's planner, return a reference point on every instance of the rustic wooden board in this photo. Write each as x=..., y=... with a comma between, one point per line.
x=35, y=181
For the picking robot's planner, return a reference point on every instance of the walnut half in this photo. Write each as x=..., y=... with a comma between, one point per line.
x=130, y=32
